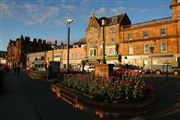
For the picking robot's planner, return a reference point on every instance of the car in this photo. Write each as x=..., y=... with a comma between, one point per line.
x=88, y=68
x=160, y=69
x=123, y=67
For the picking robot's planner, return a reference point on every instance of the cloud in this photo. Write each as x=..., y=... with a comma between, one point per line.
x=118, y=10
x=39, y=13
x=144, y=10
x=101, y=11
x=5, y=9
x=59, y=22
x=43, y=12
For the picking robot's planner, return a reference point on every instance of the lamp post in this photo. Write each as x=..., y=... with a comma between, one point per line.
x=68, y=21
x=151, y=50
x=103, y=41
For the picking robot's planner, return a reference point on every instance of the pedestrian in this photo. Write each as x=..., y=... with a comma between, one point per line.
x=14, y=69
x=18, y=69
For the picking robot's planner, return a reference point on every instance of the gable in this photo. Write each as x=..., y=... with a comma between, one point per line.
x=93, y=23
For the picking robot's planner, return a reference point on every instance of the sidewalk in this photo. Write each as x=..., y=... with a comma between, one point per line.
x=14, y=102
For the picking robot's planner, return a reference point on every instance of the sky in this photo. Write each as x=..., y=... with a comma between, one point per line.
x=46, y=19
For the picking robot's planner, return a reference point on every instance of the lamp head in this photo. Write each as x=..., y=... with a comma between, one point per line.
x=69, y=21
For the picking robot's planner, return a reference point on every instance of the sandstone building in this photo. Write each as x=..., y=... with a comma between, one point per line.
x=131, y=43
x=17, y=50
x=77, y=53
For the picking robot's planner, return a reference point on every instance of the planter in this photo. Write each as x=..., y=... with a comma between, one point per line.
x=103, y=109
x=38, y=75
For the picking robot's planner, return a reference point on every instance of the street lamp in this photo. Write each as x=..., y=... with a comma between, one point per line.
x=151, y=50
x=68, y=21
x=103, y=21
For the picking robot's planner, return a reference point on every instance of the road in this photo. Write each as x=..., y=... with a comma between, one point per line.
x=25, y=99
x=167, y=92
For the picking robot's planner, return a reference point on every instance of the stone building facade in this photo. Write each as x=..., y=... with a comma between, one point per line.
x=17, y=50
x=3, y=57
x=77, y=54
x=131, y=43
x=111, y=34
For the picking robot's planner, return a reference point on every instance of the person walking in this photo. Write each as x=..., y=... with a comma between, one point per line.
x=14, y=69
x=18, y=69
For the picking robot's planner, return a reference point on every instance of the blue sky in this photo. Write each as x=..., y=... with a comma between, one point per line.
x=45, y=19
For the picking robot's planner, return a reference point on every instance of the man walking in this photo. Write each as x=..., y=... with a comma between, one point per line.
x=18, y=69
x=14, y=69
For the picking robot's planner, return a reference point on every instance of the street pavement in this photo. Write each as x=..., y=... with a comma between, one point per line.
x=25, y=99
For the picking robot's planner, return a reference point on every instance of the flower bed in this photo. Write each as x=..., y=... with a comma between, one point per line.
x=125, y=93
x=101, y=109
x=122, y=87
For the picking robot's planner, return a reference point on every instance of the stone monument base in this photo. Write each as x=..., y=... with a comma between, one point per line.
x=103, y=71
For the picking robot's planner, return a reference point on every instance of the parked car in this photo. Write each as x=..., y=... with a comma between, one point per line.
x=130, y=67
x=160, y=69
x=88, y=68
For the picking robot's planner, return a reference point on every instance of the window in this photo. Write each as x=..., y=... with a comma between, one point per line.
x=96, y=43
x=146, y=48
x=91, y=52
x=95, y=32
x=163, y=31
x=90, y=34
x=65, y=56
x=82, y=54
x=95, y=52
x=72, y=55
x=90, y=43
x=42, y=57
x=145, y=34
x=130, y=36
x=92, y=24
x=163, y=46
x=112, y=40
x=114, y=20
x=130, y=49
x=178, y=0
x=111, y=51
x=112, y=30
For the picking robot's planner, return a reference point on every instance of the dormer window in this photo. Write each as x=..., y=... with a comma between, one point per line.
x=114, y=20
